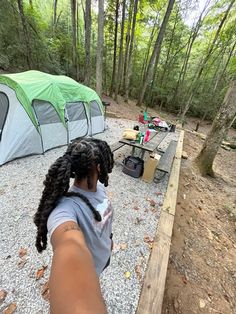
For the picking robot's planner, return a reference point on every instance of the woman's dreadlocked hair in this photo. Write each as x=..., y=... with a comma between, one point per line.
x=79, y=161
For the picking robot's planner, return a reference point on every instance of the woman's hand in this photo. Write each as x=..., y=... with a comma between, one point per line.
x=74, y=285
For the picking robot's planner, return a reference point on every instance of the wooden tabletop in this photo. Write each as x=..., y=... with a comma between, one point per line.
x=151, y=145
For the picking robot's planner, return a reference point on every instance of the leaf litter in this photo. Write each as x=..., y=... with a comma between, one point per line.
x=40, y=272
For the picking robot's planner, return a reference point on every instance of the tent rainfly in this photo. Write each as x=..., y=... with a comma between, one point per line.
x=39, y=111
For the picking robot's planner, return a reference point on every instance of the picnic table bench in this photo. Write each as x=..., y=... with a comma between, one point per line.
x=166, y=160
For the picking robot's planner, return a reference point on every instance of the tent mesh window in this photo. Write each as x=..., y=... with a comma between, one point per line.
x=76, y=111
x=45, y=112
x=4, y=105
x=95, y=109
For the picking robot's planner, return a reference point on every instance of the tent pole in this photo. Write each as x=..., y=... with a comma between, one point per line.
x=39, y=130
x=41, y=138
x=66, y=117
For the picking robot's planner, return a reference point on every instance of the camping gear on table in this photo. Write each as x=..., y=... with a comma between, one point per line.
x=156, y=121
x=147, y=136
x=133, y=166
x=164, y=125
x=39, y=111
x=129, y=134
x=140, y=137
x=142, y=120
x=158, y=124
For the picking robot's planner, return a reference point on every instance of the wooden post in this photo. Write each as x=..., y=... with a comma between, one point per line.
x=152, y=293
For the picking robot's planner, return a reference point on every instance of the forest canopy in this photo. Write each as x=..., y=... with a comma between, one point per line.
x=182, y=52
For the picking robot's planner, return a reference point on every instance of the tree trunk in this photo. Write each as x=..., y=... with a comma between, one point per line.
x=222, y=73
x=100, y=47
x=115, y=48
x=195, y=84
x=87, y=25
x=127, y=42
x=169, y=50
x=74, y=39
x=78, y=31
x=192, y=38
x=54, y=23
x=26, y=34
x=120, y=62
x=128, y=69
x=105, y=88
x=144, y=67
x=218, y=132
x=31, y=4
x=166, y=65
x=219, y=75
x=156, y=52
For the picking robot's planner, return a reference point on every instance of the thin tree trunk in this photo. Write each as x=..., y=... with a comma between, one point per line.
x=195, y=84
x=166, y=65
x=105, y=88
x=115, y=48
x=192, y=38
x=87, y=25
x=184, y=67
x=129, y=63
x=168, y=50
x=54, y=23
x=156, y=52
x=26, y=34
x=31, y=4
x=127, y=42
x=222, y=73
x=120, y=62
x=100, y=47
x=218, y=132
x=74, y=39
x=78, y=34
x=144, y=67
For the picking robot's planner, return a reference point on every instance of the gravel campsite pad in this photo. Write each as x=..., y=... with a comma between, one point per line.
x=24, y=272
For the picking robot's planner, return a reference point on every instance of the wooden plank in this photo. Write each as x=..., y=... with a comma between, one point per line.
x=174, y=178
x=116, y=146
x=151, y=297
x=152, y=293
x=166, y=160
x=149, y=146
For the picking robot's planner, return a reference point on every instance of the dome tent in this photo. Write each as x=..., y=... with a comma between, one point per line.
x=40, y=111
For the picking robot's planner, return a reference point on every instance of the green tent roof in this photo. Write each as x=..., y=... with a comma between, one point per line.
x=56, y=89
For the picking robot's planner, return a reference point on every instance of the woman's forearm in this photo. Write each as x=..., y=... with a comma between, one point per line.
x=74, y=285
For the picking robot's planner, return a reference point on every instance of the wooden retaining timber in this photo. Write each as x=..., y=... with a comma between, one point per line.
x=152, y=293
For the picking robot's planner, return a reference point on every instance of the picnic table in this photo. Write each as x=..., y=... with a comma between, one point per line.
x=167, y=156
x=152, y=145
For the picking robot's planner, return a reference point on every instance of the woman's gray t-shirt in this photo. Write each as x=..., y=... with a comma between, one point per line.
x=97, y=234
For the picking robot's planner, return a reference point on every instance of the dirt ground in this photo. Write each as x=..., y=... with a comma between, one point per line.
x=201, y=275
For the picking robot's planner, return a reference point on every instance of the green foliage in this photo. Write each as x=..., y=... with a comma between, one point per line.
x=51, y=48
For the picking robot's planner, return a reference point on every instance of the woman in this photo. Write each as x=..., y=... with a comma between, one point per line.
x=78, y=221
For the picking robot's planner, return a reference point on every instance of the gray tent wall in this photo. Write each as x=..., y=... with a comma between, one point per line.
x=19, y=137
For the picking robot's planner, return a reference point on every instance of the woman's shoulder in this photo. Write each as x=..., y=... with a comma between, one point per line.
x=65, y=207
x=100, y=186
x=64, y=211
x=66, y=202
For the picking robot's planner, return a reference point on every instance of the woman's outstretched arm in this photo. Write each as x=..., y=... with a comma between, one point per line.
x=74, y=285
